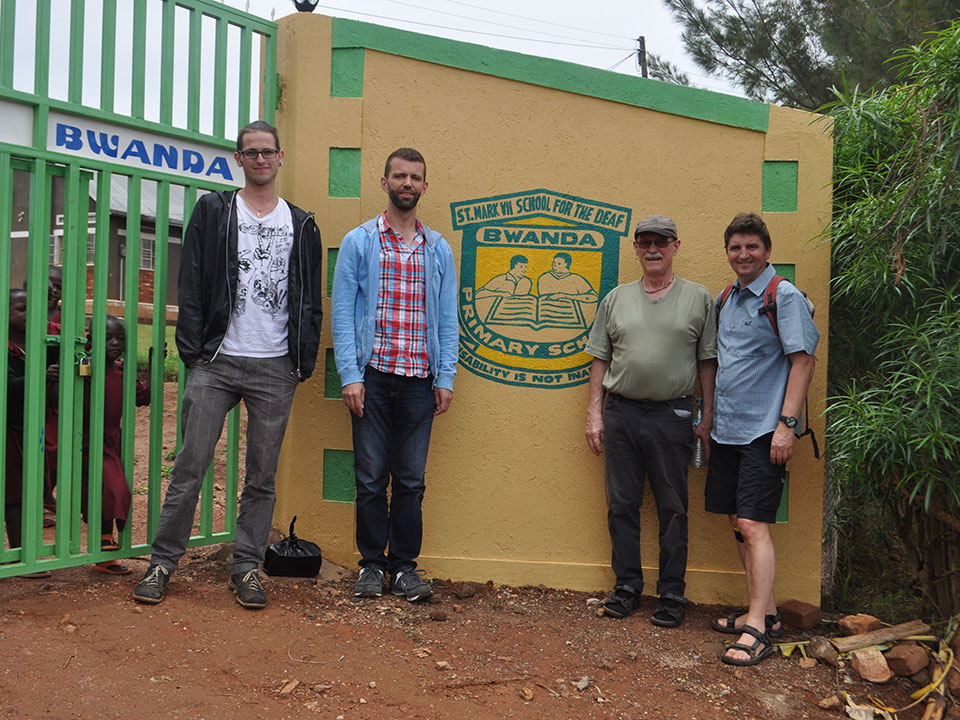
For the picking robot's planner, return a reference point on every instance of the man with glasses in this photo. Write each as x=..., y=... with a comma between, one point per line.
x=650, y=340
x=248, y=329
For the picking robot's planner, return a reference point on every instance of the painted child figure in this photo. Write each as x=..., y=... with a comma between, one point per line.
x=116, y=496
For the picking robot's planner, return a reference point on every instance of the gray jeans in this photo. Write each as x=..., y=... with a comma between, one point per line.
x=266, y=386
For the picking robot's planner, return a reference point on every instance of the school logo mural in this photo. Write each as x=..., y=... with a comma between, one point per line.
x=534, y=265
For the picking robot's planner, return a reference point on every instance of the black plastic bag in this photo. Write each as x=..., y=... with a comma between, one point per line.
x=293, y=557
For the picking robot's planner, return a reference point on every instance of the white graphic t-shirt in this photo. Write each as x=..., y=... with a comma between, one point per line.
x=258, y=323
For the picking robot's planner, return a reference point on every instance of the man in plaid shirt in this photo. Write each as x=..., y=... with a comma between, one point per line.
x=395, y=339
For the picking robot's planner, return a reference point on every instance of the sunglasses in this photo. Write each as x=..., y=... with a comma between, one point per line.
x=268, y=154
x=661, y=242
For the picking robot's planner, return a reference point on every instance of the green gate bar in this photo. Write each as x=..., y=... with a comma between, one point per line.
x=102, y=179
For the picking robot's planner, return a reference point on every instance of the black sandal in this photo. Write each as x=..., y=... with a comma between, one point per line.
x=731, y=627
x=753, y=649
x=669, y=612
x=770, y=621
x=621, y=603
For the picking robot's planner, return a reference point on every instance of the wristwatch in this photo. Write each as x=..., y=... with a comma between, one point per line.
x=788, y=420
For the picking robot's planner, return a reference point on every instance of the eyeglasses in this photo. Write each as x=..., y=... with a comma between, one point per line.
x=251, y=154
x=661, y=242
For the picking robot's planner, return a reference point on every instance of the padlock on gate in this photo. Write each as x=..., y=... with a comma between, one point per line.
x=85, y=369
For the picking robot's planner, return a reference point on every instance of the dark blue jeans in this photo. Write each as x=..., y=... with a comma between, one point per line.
x=390, y=442
x=647, y=441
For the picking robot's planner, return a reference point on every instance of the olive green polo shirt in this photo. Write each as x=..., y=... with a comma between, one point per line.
x=653, y=346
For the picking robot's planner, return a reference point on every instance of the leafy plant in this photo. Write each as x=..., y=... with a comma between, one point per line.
x=894, y=419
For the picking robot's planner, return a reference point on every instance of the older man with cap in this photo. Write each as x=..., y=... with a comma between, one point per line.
x=650, y=340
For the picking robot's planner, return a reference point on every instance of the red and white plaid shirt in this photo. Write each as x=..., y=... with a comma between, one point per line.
x=400, y=335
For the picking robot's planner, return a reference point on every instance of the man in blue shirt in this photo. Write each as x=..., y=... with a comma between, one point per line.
x=762, y=381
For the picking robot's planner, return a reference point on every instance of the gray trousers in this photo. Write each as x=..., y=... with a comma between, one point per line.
x=266, y=386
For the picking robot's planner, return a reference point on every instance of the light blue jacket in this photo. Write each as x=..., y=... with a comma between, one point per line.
x=356, y=281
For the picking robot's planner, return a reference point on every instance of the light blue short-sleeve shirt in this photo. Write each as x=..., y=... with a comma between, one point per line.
x=753, y=366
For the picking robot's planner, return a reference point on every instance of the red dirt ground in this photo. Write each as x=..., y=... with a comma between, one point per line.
x=77, y=646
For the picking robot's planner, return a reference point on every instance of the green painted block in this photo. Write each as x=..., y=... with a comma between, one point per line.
x=331, y=267
x=346, y=72
x=779, y=186
x=331, y=378
x=783, y=512
x=787, y=270
x=338, y=478
x=344, y=172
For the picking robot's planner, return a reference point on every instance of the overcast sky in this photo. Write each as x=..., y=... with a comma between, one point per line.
x=601, y=33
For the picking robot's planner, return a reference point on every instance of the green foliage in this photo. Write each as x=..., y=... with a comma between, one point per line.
x=795, y=51
x=662, y=69
x=894, y=418
x=144, y=340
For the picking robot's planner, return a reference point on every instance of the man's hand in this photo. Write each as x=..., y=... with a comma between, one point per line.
x=702, y=431
x=781, y=447
x=353, y=396
x=442, y=399
x=594, y=432
x=53, y=373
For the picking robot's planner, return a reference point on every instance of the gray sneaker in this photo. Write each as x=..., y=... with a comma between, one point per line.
x=370, y=582
x=411, y=585
x=152, y=587
x=250, y=593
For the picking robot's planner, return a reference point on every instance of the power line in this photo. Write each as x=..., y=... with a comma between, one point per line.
x=488, y=22
x=545, y=22
x=474, y=32
x=621, y=62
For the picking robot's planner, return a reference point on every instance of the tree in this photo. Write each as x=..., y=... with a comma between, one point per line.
x=894, y=425
x=794, y=51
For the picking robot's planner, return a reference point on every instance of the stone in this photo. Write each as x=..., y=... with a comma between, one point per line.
x=289, y=687
x=921, y=678
x=871, y=665
x=799, y=614
x=438, y=615
x=821, y=649
x=526, y=694
x=859, y=624
x=223, y=553
x=464, y=590
x=808, y=662
x=331, y=572
x=831, y=703
x=953, y=681
x=583, y=683
x=443, y=665
x=906, y=659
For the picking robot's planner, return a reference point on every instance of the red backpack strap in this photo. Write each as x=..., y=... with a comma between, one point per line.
x=723, y=297
x=770, y=301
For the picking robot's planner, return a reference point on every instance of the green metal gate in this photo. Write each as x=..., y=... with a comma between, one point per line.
x=118, y=115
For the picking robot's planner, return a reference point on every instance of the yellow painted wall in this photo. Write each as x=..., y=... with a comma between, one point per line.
x=513, y=493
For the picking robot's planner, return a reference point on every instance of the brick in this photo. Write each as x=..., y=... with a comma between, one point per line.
x=906, y=659
x=859, y=624
x=800, y=615
x=871, y=665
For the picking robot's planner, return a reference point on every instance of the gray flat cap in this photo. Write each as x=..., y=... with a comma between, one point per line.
x=659, y=224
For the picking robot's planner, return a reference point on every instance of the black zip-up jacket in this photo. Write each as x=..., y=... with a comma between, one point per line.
x=208, y=283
